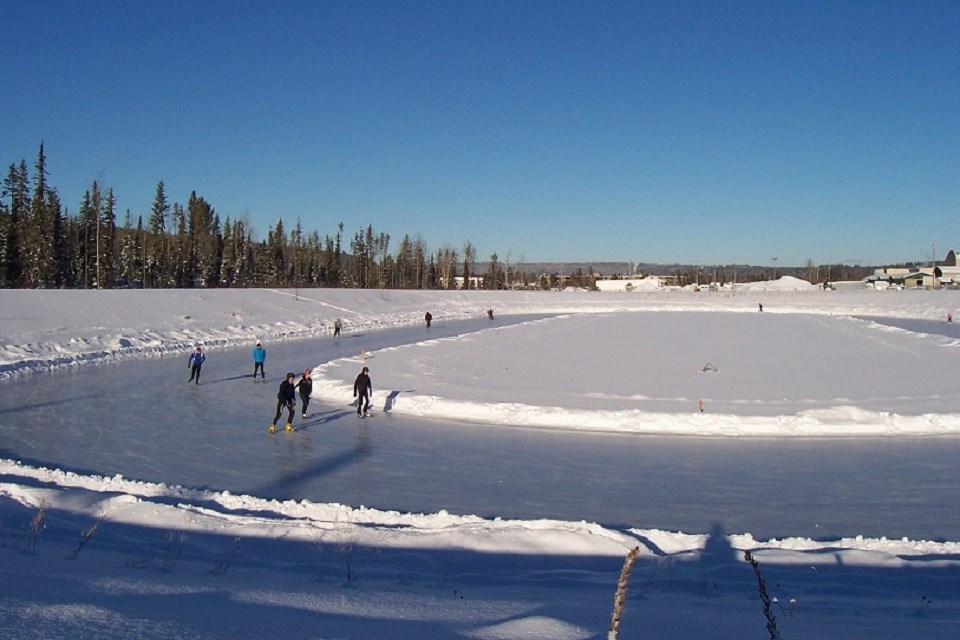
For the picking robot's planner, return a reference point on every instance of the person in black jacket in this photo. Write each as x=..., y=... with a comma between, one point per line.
x=362, y=388
x=285, y=399
x=305, y=387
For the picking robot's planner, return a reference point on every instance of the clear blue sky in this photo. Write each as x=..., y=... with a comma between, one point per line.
x=706, y=132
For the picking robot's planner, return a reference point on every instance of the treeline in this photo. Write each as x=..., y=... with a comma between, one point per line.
x=43, y=245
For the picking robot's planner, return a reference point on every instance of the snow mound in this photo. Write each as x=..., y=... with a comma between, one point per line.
x=784, y=283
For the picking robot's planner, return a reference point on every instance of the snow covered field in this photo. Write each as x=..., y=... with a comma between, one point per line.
x=119, y=557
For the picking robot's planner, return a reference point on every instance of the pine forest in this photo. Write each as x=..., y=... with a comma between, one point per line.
x=44, y=245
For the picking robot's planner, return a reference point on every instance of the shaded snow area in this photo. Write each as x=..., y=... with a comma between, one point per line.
x=89, y=553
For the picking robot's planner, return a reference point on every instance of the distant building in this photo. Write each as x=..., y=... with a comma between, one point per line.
x=476, y=282
x=924, y=277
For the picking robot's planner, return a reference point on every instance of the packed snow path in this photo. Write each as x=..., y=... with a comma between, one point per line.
x=141, y=419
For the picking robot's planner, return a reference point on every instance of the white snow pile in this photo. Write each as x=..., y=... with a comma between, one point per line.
x=783, y=283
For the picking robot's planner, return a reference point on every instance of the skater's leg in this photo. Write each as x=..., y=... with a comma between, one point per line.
x=305, y=401
x=279, y=410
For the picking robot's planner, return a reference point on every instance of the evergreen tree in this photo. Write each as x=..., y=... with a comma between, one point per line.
x=60, y=266
x=469, y=254
x=4, y=235
x=360, y=267
x=404, y=272
x=107, y=230
x=202, y=246
x=383, y=260
x=16, y=189
x=315, y=263
x=159, y=211
x=155, y=246
x=329, y=271
x=86, y=241
x=297, y=269
x=420, y=272
x=40, y=260
x=228, y=256
x=276, y=259
x=129, y=268
x=431, y=277
x=494, y=277
x=74, y=234
x=244, y=266
x=181, y=265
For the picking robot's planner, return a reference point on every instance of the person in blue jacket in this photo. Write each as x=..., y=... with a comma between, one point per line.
x=259, y=356
x=194, y=363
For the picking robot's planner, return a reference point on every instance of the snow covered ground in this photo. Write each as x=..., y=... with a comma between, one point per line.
x=86, y=555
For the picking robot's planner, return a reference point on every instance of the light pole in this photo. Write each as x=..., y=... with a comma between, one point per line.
x=933, y=263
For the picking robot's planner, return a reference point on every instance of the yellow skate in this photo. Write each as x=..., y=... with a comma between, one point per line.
x=272, y=429
x=289, y=427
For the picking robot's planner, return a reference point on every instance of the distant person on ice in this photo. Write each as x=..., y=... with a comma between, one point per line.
x=194, y=363
x=259, y=356
x=428, y=319
x=336, y=328
x=490, y=314
x=362, y=388
x=285, y=400
x=305, y=387
x=761, y=306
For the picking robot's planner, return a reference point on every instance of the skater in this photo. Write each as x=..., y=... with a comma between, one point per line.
x=194, y=363
x=428, y=319
x=949, y=317
x=362, y=388
x=490, y=314
x=259, y=355
x=285, y=400
x=336, y=328
x=305, y=387
x=761, y=307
